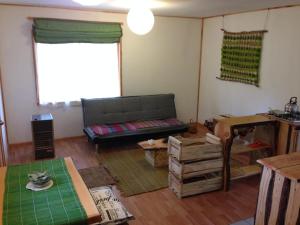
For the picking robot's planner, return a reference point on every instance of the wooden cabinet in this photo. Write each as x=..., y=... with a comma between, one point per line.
x=295, y=140
x=3, y=134
x=228, y=129
x=3, y=145
x=288, y=138
x=42, y=135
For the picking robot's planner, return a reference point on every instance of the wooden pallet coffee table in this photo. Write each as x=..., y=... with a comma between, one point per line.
x=156, y=153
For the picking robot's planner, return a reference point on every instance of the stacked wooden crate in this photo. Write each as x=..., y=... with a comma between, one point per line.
x=195, y=166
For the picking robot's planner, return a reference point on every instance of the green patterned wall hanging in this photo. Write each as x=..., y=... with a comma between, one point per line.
x=241, y=55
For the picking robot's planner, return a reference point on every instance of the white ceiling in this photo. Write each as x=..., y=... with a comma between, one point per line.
x=187, y=8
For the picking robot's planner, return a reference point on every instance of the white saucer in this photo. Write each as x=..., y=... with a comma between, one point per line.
x=33, y=187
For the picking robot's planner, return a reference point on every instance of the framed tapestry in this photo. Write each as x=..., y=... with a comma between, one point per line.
x=241, y=56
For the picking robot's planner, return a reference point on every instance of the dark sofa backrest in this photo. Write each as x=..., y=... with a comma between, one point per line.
x=128, y=108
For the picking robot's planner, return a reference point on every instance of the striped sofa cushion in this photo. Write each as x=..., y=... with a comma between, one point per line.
x=107, y=129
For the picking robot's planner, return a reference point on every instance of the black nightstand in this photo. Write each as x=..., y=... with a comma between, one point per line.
x=43, y=135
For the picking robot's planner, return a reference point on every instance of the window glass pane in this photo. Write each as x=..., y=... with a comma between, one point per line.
x=68, y=72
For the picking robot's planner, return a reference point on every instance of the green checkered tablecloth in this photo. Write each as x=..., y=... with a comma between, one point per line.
x=57, y=205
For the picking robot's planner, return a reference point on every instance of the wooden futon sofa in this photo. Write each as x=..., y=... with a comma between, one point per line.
x=147, y=116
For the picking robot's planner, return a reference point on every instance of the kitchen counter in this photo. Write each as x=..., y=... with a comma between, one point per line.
x=290, y=122
x=225, y=129
x=288, y=136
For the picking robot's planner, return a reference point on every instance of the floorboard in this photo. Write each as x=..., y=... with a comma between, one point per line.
x=161, y=207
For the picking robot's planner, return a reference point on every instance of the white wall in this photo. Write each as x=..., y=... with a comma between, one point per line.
x=166, y=60
x=280, y=65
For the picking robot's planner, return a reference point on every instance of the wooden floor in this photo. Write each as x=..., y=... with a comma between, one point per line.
x=161, y=207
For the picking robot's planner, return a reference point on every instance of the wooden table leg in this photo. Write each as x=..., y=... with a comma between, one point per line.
x=227, y=153
x=275, y=138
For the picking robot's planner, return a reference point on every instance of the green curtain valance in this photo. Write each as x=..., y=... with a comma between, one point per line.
x=56, y=31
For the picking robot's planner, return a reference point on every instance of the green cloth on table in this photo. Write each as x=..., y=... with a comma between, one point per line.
x=56, y=31
x=57, y=205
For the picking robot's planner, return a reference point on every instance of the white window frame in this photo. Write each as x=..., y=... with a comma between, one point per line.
x=73, y=103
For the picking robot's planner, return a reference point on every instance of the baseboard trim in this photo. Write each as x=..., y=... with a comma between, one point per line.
x=69, y=138
x=57, y=139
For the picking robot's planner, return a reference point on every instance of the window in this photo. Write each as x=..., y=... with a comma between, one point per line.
x=68, y=72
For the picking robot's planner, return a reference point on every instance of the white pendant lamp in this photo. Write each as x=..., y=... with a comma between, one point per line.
x=140, y=20
x=89, y=2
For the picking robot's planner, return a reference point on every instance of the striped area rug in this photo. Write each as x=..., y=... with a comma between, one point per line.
x=249, y=221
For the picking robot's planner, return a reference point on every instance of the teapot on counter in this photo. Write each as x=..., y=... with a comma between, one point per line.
x=292, y=106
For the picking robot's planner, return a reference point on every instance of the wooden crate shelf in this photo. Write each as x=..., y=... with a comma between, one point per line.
x=195, y=166
x=265, y=129
x=187, y=149
x=240, y=148
x=203, y=184
x=245, y=171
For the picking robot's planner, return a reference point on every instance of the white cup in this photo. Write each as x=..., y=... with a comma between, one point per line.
x=151, y=142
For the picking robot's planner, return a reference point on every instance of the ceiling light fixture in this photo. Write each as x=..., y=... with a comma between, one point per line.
x=89, y=2
x=140, y=20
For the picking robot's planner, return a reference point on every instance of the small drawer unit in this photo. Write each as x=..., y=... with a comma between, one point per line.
x=43, y=135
